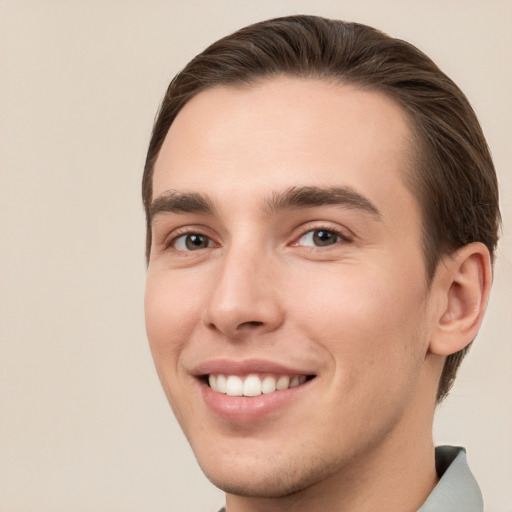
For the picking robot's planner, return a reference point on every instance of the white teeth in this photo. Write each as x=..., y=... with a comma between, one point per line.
x=268, y=385
x=221, y=384
x=253, y=385
x=283, y=383
x=234, y=386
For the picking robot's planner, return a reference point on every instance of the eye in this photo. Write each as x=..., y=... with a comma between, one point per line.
x=192, y=242
x=320, y=238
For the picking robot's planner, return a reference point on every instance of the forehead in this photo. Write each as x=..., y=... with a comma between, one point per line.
x=286, y=132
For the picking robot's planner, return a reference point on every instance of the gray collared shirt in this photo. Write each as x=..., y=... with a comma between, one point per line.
x=457, y=490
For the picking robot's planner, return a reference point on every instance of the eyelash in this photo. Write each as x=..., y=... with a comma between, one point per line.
x=170, y=242
x=342, y=237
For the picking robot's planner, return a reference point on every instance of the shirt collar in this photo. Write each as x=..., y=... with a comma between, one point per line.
x=457, y=489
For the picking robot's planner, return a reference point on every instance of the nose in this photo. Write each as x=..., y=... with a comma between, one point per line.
x=245, y=297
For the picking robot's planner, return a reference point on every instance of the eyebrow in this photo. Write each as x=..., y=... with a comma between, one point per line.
x=309, y=197
x=174, y=201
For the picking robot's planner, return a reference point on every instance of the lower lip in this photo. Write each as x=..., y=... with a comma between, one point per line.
x=244, y=409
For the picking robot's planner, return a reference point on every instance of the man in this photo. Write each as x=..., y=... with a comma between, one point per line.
x=322, y=216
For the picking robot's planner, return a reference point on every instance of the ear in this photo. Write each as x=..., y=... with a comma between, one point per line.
x=462, y=284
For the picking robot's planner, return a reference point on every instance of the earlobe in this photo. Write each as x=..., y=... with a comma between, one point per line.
x=463, y=282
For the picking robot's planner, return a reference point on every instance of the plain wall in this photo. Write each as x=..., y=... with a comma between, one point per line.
x=84, y=425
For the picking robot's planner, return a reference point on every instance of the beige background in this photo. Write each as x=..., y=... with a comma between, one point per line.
x=83, y=423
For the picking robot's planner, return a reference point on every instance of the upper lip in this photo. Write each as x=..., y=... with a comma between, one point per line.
x=245, y=367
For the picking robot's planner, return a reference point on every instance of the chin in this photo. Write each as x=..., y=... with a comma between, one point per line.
x=264, y=479
x=250, y=487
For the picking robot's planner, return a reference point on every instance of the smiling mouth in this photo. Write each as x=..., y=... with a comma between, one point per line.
x=254, y=385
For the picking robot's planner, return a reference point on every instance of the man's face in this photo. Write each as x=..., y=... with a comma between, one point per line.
x=287, y=250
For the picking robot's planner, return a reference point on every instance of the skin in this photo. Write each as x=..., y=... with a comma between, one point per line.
x=357, y=314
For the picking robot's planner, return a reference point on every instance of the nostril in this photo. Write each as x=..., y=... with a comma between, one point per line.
x=251, y=324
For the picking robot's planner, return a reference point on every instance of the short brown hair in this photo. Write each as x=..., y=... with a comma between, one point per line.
x=454, y=178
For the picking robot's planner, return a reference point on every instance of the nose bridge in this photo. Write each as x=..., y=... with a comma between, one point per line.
x=243, y=298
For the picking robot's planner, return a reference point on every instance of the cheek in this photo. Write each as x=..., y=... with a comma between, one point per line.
x=170, y=317
x=365, y=319
x=370, y=331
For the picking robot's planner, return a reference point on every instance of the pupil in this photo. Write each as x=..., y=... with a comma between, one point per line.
x=324, y=238
x=196, y=242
